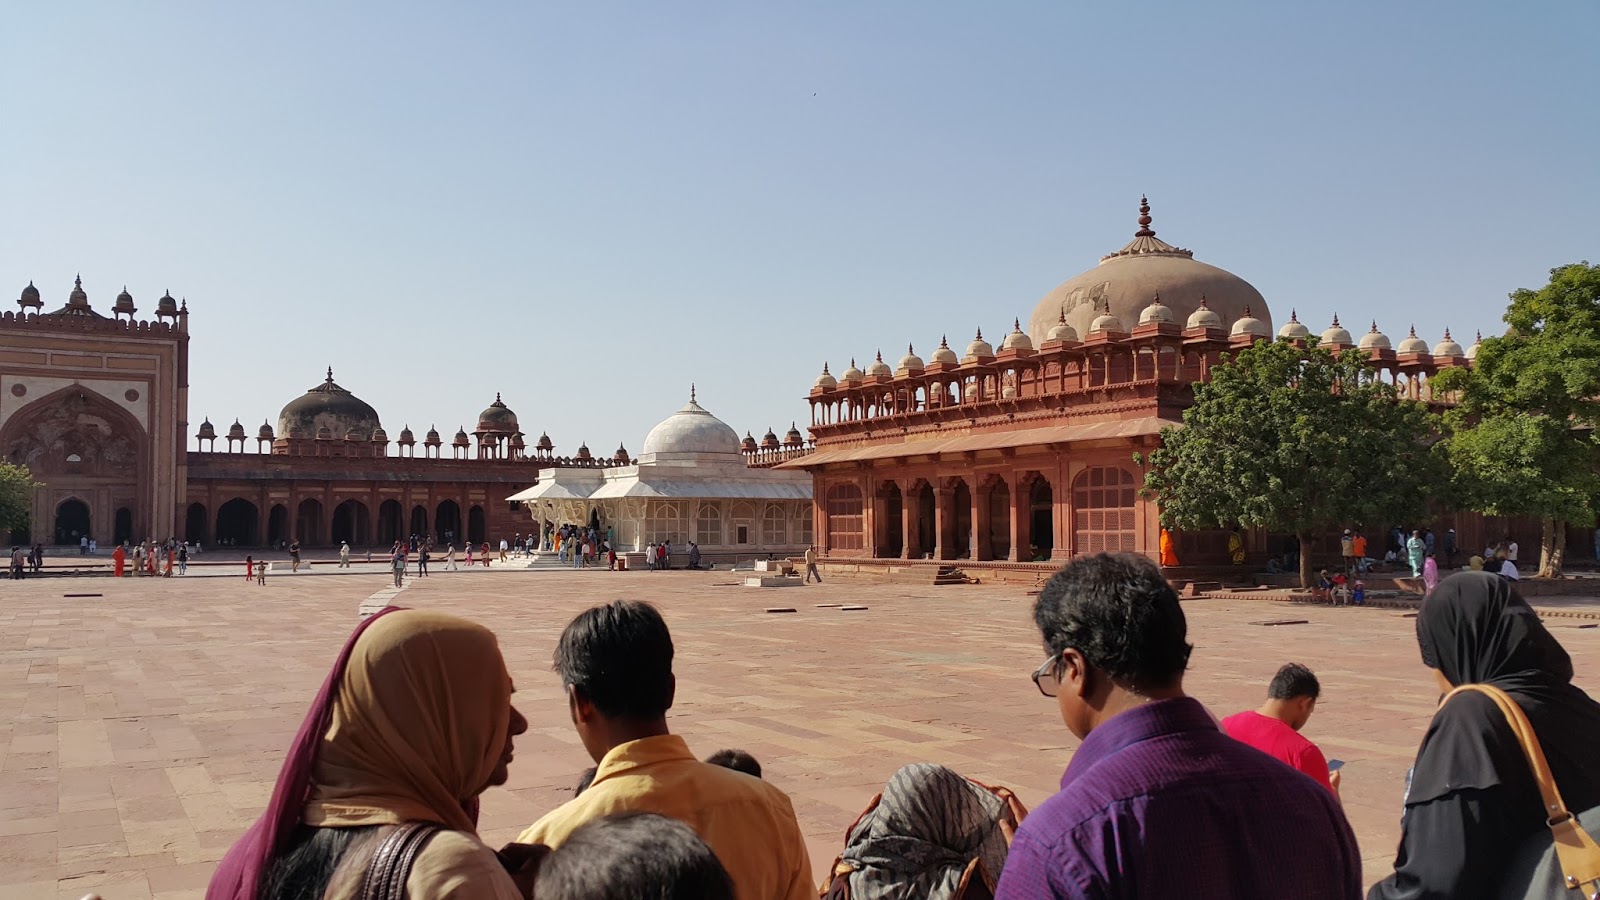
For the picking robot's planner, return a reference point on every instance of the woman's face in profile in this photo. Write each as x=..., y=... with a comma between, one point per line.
x=502, y=769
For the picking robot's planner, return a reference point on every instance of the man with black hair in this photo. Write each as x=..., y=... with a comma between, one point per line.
x=615, y=662
x=1274, y=729
x=737, y=760
x=1157, y=802
x=637, y=855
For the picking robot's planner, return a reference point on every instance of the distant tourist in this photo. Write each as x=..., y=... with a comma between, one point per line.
x=261, y=572
x=344, y=554
x=1416, y=549
x=1347, y=550
x=811, y=565
x=485, y=554
x=1508, y=570
x=397, y=562
x=1359, y=545
x=294, y=555
x=1274, y=728
x=183, y=558
x=615, y=663
x=1169, y=551
x=19, y=563
x=450, y=556
x=1236, y=547
x=1450, y=549
x=1511, y=549
x=650, y=556
x=422, y=561
x=694, y=555
x=1157, y=802
x=504, y=549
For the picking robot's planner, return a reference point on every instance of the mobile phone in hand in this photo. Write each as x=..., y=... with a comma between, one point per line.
x=1335, y=765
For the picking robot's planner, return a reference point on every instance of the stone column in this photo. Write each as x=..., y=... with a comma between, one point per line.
x=1021, y=509
x=978, y=546
x=942, y=523
x=907, y=522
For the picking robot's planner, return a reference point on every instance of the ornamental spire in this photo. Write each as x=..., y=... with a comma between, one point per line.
x=1144, y=219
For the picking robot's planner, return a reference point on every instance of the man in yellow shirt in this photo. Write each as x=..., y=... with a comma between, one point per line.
x=615, y=662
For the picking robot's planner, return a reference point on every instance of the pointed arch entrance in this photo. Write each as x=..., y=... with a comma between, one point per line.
x=447, y=522
x=72, y=521
x=352, y=523
x=194, y=524
x=236, y=523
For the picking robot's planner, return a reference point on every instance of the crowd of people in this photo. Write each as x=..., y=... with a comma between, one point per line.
x=1160, y=799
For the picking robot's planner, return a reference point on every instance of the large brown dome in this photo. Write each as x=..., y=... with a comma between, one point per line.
x=1130, y=278
x=329, y=406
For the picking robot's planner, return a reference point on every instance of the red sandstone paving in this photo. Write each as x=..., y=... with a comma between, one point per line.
x=140, y=732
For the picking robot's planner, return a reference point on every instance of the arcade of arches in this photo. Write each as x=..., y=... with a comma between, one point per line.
x=273, y=518
x=1012, y=509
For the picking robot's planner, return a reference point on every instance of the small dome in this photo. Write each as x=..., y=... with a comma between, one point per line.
x=825, y=381
x=379, y=436
x=1248, y=324
x=1336, y=336
x=30, y=297
x=354, y=434
x=621, y=455
x=236, y=430
x=691, y=430
x=166, y=306
x=544, y=442
x=265, y=431
x=328, y=405
x=517, y=442
x=406, y=436
x=1158, y=313
x=911, y=362
x=79, y=297
x=978, y=349
x=124, y=303
x=878, y=368
x=944, y=355
x=1016, y=340
x=1106, y=322
x=852, y=373
x=769, y=441
x=324, y=433
x=1375, y=339
x=433, y=439
x=1472, y=352
x=207, y=430
x=1061, y=331
x=1448, y=347
x=1412, y=343
x=297, y=433
x=497, y=418
x=1204, y=316
x=1293, y=330
x=461, y=438
x=748, y=444
x=583, y=452
x=793, y=437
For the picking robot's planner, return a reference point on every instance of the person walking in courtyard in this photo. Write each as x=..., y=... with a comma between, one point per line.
x=397, y=562
x=183, y=558
x=1430, y=575
x=485, y=554
x=1157, y=802
x=119, y=560
x=1236, y=547
x=1274, y=729
x=249, y=567
x=503, y=549
x=1450, y=549
x=469, y=553
x=1416, y=549
x=294, y=555
x=19, y=563
x=650, y=556
x=450, y=556
x=261, y=572
x=344, y=554
x=1169, y=552
x=422, y=561
x=811, y=565
x=1347, y=551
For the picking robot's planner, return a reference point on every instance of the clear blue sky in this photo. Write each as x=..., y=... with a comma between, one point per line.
x=587, y=206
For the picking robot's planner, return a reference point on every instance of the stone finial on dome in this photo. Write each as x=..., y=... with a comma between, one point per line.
x=407, y=437
x=1472, y=352
x=621, y=455
x=909, y=363
x=583, y=451
x=1249, y=325
x=792, y=437
x=1336, y=335
x=944, y=355
x=1144, y=218
x=1293, y=330
x=1203, y=316
x=1448, y=348
x=769, y=441
x=30, y=298
x=1412, y=343
x=1017, y=339
x=124, y=304
x=852, y=373
x=979, y=349
x=1374, y=339
x=825, y=381
x=432, y=439
x=1158, y=313
x=79, y=298
x=1061, y=331
x=264, y=433
x=207, y=430
x=878, y=368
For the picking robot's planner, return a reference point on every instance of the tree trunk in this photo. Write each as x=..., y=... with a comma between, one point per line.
x=1552, y=547
x=1303, y=538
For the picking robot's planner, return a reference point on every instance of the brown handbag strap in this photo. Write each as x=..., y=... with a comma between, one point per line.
x=1576, y=849
x=391, y=862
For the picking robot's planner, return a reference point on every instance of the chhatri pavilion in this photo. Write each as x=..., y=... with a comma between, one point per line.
x=1025, y=451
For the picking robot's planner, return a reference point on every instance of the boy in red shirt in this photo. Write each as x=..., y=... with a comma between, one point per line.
x=1274, y=729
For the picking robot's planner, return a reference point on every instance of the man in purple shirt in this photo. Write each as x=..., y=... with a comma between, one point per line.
x=1157, y=802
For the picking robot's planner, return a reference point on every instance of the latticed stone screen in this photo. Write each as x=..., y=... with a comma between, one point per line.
x=1103, y=500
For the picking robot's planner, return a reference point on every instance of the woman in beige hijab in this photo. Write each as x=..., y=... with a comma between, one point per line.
x=414, y=722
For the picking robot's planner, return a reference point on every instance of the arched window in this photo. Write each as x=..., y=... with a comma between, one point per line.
x=844, y=517
x=802, y=523
x=1103, y=503
x=708, y=525
x=774, y=528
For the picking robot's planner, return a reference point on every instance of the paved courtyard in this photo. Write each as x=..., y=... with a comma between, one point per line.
x=140, y=731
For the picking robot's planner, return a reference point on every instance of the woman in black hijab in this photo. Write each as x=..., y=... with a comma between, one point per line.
x=1472, y=800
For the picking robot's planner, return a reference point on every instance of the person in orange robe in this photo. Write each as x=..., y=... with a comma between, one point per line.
x=119, y=558
x=1169, y=554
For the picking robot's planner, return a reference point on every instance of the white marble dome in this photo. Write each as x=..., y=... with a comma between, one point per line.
x=1336, y=335
x=1412, y=343
x=1374, y=339
x=1204, y=316
x=1156, y=313
x=691, y=430
x=1016, y=340
x=1447, y=347
x=826, y=380
x=1248, y=324
x=944, y=355
x=979, y=348
x=878, y=368
x=1293, y=329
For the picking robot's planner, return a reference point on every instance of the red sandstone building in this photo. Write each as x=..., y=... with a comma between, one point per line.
x=1026, y=452
x=97, y=408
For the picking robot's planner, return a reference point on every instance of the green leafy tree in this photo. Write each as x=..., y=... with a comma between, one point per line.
x=16, y=497
x=1521, y=439
x=1298, y=441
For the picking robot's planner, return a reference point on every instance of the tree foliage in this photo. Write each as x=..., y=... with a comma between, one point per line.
x=1295, y=440
x=1521, y=440
x=16, y=497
